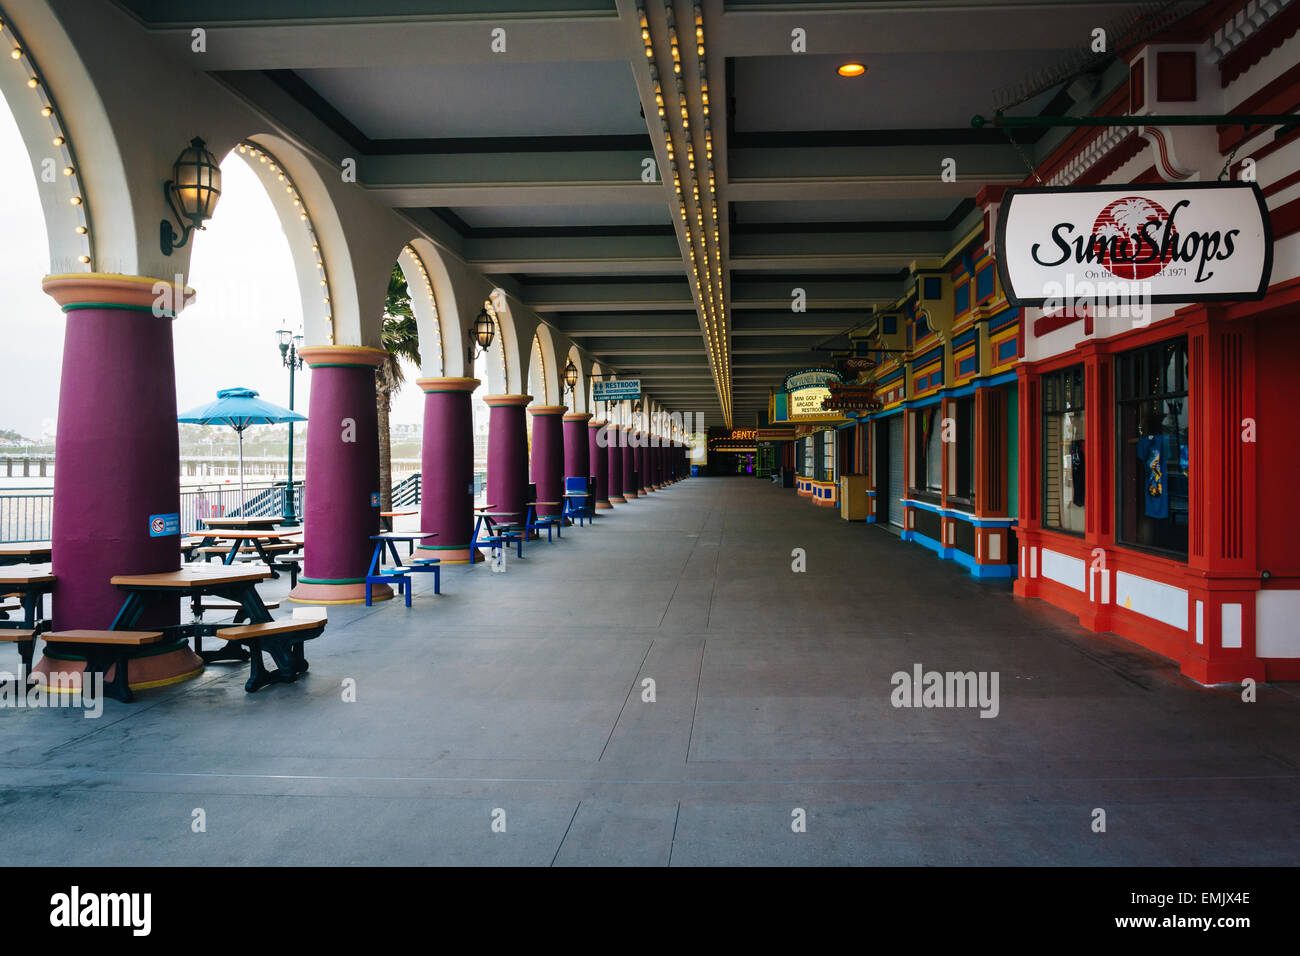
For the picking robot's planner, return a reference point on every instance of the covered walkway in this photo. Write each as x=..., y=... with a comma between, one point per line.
x=510, y=692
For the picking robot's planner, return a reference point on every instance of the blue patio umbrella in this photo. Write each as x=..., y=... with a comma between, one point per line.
x=239, y=408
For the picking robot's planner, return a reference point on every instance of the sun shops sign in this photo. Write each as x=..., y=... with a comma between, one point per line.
x=1137, y=244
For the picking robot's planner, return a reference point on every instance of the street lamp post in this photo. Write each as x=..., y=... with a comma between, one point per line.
x=289, y=345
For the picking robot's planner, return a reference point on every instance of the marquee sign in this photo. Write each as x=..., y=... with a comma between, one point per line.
x=852, y=398
x=807, y=391
x=1065, y=247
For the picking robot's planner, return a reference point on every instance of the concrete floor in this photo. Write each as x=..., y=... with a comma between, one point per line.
x=522, y=692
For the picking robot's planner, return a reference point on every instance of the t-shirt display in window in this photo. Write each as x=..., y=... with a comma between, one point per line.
x=1076, y=472
x=1151, y=452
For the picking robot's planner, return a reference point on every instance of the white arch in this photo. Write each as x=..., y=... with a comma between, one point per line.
x=501, y=379
x=424, y=305
x=578, y=398
x=540, y=372
x=318, y=242
x=63, y=123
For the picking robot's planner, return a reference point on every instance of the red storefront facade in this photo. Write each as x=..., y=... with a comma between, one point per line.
x=1201, y=566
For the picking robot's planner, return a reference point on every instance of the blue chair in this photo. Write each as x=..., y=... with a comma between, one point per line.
x=578, y=509
x=399, y=574
x=497, y=536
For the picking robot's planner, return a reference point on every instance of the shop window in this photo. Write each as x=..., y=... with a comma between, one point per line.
x=927, y=444
x=964, y=450
x=1151, y=407
x=1063, y=450
x=808, y=469
x=828, y=456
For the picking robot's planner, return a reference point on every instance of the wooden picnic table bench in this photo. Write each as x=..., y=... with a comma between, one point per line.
x=103, y=650
x=237, y=585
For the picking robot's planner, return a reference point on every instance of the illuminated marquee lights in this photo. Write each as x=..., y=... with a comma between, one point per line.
x=47, y=108
x=271, y=169
x=414, y=256
x=708, y=290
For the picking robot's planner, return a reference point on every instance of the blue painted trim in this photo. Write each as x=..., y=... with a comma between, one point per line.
x=926, y=541
x=967, y=561
x=1003, y=319
x=961, y=515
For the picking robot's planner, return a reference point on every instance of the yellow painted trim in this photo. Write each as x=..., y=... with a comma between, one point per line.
x=360, y=600
x=143, y=685
x=166, y=680
x=115, y=276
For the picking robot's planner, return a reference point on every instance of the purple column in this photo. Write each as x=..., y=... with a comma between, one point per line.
x=648, y=482
x=116, y=492
x=447, y=469
x=638, y=462
x=507, y=464
x=657, y=462
x=341, y=491
x=548, y=457
x=628, y=463
x=614, y=458
x=577, y=447
x=599, y=462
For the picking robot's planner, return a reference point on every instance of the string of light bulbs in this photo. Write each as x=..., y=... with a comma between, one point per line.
x=47, y=107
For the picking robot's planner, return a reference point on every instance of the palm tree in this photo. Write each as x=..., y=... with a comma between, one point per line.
x=401, y=339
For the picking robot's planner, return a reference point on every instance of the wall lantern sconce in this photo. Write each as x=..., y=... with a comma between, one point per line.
x=484, y=330
x=192, y=194
x=571, y=376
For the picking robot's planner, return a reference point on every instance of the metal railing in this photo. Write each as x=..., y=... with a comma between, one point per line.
x=26, y=514
x=407, y=491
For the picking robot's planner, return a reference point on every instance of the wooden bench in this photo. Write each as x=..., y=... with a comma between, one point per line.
x=281, y=548
x=283, y=640
x=104, y=649
x=26, y=641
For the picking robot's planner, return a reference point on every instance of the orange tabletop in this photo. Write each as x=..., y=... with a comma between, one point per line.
x=187, y=577
x=397, y=514
x=26, y=574
x=232, y=535
x=24, y=548
x=241, y=522
x=402, y=535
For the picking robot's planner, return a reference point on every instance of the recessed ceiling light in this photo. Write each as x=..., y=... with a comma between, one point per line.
x=852, y=69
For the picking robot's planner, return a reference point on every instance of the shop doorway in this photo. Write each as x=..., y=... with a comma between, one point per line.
x=889, y=469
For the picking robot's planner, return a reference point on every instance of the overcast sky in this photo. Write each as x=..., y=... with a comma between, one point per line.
x=241, y=268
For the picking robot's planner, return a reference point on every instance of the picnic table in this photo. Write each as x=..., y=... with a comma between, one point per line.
x=500, y=529
x=283, y=639
x=400, y=573
x=262, y=523
x=386, y=517
x=258, y=541
x=24, y=552
x=534, y=523
x=30, y=583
